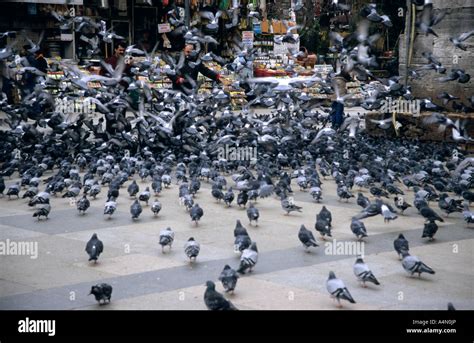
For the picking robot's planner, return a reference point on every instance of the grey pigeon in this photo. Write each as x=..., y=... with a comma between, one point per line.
x=94, y=248
x=430, y=230
x=363, y=273
x=288, y=205
x=242, y=239
x=136, y=209
x=196, y=213
x=156, y=207
x=401, y=245
x=166, y=238
x=412, y=264
x=326, y=215
x=191, y=249
x=42, y=210
x=322, y=226
x=358, y=229
x=253, y=214
x=387, y=214
x=337, y=289
x=249, y=259
x=110, y=207
x=215, y=301
x=102, y=293
x=83, y=204
x=229, y=278
x=306, y=237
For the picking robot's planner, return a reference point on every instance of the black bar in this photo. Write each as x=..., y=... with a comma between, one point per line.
x=243, y=323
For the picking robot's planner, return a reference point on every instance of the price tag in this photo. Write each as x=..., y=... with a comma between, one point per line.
x=163, y=28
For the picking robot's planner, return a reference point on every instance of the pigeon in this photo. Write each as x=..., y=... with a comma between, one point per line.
x=215, y=301
x=156, y=207
x=229, y=278
x=358, y=229
x=83, y=204
x=401, y=204
x=94, y=248
x=362, y=201
x=145, y=195
x=14, y=190
x=248, y=259
x=429, y=214
x=338, y=290
x=401, y=245
x=306, y=237
x=322, y=226
x=467, y=215
x=288, y=205
x=102, y=293
x=110, y=207
x=242, y=239
x=458, y=40
x=191, y=249
x=42, y=210
x=253, y=214
x=363, y=273
x=412, y=265
x=135, y=209
x=196, y=213
x=387, y=214
x=133, y=189
x=166, y=238
x=430, y=230
x=229, y=197
x=326, y=215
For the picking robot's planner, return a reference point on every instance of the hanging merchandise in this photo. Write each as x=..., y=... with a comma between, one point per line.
x=224, y=5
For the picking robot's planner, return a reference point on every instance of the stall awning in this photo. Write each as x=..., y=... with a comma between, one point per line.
x=58, y=2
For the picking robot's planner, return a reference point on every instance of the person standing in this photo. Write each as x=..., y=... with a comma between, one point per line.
x=190, y=71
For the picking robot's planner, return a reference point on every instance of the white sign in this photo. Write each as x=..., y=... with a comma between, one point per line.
x=163, y=28
x=247, y=38
x=66, y=37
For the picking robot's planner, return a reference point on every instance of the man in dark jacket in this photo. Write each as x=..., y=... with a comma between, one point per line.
x=337, y=114
x=190, y=71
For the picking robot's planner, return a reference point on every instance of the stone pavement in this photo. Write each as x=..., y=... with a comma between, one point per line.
x=285, y=277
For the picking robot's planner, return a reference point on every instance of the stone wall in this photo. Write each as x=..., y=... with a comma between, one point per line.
x=461, y=19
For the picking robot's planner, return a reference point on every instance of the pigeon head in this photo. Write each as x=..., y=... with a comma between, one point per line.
x=210, y=285
x=227, y=267
x=331, y=275
x=359, y=260
x=191, y=239
x=94, y=236
x=400, y=236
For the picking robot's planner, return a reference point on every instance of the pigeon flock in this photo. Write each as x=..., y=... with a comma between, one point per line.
x=175, y=138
